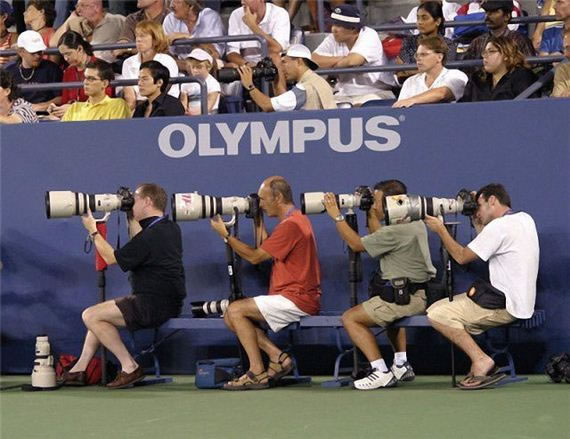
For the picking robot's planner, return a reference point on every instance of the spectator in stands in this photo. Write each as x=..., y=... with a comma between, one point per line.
x=497, y=20
x=32, y=69
x=430, y=23
x=434, y=83
x=200, y=64
x=94, y=24
x=475, y=7
x=189, y=19
x=7, y=38
x=352, y=44
x=294, y=290
x=504, y=75
x=99, y=106
x=310, y=92
x=449, y=11
x=153, y=256
x=312, y=5
x=152, y=44
x=509, y=242
x=12, y=108
x=77, y=53
x=153, y=85
x=562, y=73
x=404, y=255
x=547, y=37
x=562, y=9
x=39, y=16
x=149, y=10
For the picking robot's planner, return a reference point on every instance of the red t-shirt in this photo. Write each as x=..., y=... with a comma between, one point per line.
x=70, y=95
x=296, y=272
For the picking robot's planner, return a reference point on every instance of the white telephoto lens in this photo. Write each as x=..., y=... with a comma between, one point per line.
x=188, y=206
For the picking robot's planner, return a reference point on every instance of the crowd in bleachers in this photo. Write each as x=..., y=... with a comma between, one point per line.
x=156, y=28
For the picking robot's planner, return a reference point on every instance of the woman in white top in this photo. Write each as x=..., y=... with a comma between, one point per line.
x=152, y=44
x=199, y=64
x=434, y=83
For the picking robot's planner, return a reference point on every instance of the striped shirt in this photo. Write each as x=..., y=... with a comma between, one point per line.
x=24, y=109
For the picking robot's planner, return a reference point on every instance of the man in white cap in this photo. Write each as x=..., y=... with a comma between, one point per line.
x=352, y=45
x=30, y=68
x=311, y=92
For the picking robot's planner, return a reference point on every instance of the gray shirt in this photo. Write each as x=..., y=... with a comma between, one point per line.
x=403, y=251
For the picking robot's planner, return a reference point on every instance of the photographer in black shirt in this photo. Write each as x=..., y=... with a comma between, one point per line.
x=154, y=258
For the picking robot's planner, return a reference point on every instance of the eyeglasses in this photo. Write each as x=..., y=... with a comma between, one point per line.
x=423, y=54
x=489, y=52
x=91, y=79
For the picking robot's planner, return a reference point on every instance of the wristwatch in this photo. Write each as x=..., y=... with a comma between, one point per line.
x=251, y=87
x=339, y=218
x=95, y=233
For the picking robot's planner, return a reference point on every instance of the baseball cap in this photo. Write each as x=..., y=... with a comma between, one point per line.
x=31, y=41
x=493, y=5
x=347, y=16
x=300, y=51
x=201, y=55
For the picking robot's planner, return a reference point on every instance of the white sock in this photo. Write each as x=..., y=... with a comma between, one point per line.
x=400, y=358
x=379, y=365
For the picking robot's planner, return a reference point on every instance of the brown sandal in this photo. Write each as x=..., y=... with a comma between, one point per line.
x=279, y=368
x=249, y=381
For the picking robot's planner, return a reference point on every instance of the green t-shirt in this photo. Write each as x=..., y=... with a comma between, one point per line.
x=403, y=251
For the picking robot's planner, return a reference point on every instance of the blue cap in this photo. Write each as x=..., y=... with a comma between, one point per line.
x=347, y=16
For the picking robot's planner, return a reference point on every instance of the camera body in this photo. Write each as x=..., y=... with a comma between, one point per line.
x=362, y=198
x=193, y=206
x=65, y=204
x=405, y=208
x=265, y=69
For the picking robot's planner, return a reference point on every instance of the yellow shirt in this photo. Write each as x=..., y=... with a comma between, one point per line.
x=561, y=81
x=108, y=108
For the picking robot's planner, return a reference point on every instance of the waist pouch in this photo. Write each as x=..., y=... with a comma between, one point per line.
x=486, y=296
x=397, y=290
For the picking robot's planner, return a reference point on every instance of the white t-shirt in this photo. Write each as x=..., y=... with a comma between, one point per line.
x=293, y=99
x=369, y=46
x=192, y=89
x=209, y=24
x=449, y=13
x=454, y=80
x=275, y=22
x=510, y=244
x=132, y=65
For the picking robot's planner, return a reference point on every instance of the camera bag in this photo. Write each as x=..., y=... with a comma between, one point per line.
x=486, y=295
x=213, y=374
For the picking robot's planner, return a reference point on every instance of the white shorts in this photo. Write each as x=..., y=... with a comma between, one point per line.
x=278, y=311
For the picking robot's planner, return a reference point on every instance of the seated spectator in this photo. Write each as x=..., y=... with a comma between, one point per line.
x=504, y=74
x=547, y=37
x=77, y=53
x=98, y=106
x=94, y=24
x=39, y=16
x=434, y=83
x=32, y=69
x=497, y=20
x=562, y=73
x=352, y=44
x=562, y=9
x=7, y=39
x=200, y=65
x=153, y=85
x=189, y=19
x=312, y=5
x=311, y=92
x=149, y=10
x=476, y=7
x=449, y=11
x=152, y=44
x=430, y=23
x=12, y=108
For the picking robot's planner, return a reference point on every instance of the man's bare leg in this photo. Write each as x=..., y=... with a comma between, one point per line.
x=397, y=337
x=357, y=323
x=90, y=346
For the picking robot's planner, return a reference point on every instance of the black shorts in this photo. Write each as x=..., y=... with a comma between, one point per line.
x=142, y=311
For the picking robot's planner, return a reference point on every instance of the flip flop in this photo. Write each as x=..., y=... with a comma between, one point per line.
x=481, y=382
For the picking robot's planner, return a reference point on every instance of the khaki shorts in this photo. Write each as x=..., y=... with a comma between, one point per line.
x=463, y=313
x=383, y=313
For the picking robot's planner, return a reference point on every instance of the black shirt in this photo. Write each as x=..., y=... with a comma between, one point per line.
x=164, y=105
x=46, y=72
x=154, y=258
x=480, y=87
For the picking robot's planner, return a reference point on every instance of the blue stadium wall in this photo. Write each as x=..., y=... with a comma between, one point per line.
x=47, y=279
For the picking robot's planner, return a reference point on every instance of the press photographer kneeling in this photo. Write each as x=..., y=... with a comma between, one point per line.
x=509, y=242
x=154, y=257
x=400, y=284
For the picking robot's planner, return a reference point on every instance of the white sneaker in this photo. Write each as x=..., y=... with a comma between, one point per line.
x=403, y=372
x=376, y=380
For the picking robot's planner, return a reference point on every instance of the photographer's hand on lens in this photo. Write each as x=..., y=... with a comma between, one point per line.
x=434, y=224
x=329, y=201
x=246, y=75
x=219, y=227
x=89, y=222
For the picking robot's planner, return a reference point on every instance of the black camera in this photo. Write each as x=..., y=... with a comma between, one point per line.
x=265, y=69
